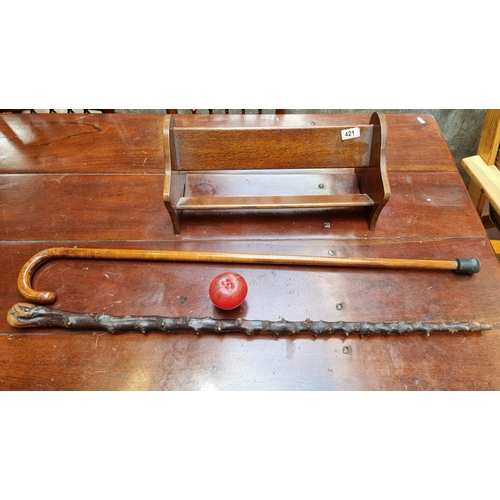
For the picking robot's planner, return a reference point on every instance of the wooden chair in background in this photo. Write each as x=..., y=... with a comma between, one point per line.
x=226, y=111
x=484, y=171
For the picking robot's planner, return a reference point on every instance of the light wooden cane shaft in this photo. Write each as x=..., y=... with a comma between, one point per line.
x=44, y=297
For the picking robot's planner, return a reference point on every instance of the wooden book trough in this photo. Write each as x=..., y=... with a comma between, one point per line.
x=210, y=161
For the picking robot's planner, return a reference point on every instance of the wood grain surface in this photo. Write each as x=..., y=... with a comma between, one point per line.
x=97, y=181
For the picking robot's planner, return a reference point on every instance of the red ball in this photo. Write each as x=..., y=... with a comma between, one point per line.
x=228, y=290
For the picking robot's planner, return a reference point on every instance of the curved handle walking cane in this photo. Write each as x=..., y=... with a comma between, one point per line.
x=461, y=266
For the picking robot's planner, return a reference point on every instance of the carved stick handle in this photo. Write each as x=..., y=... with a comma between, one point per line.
x=27, y=315
x=467, y=266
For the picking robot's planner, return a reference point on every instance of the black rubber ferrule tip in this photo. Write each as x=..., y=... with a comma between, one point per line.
x=468, y=266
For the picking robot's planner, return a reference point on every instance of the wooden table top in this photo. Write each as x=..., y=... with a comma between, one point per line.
x=97, y=181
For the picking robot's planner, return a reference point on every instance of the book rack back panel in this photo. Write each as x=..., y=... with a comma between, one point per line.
x=274, y=151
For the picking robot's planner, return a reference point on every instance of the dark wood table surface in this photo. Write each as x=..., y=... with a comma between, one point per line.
x=97, y=181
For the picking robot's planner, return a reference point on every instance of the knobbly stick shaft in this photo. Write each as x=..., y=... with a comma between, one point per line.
x=27, y=315
x=462, y=266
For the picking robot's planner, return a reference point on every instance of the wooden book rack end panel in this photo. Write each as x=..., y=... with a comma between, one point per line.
x=210, y=147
